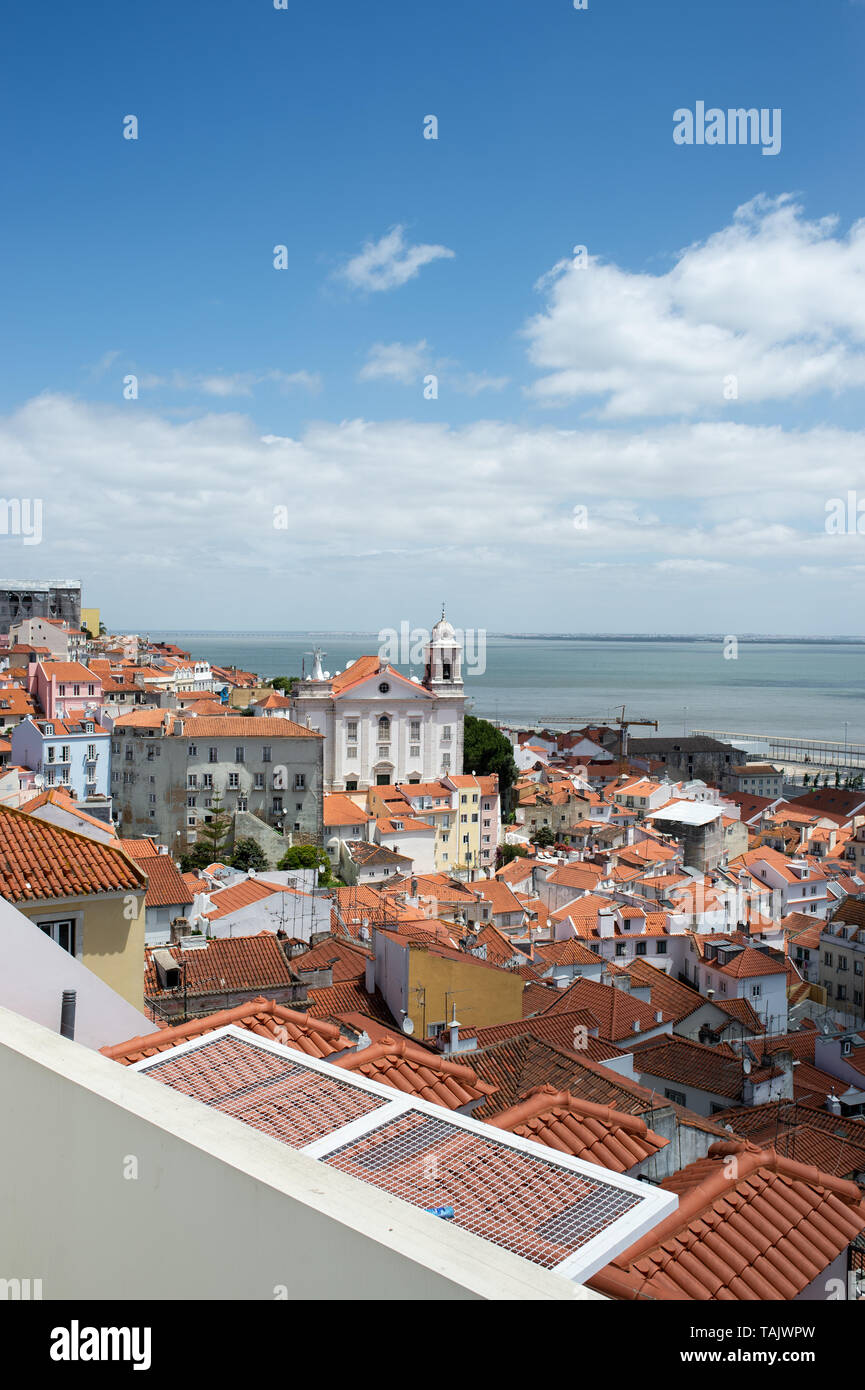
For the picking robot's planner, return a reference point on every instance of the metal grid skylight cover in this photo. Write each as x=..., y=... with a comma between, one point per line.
x=521, y=1201
x=270, y=1091
x=557, y=1211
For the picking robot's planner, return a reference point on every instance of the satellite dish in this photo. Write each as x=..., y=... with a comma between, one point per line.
x=39, y=780
x=407, y=1025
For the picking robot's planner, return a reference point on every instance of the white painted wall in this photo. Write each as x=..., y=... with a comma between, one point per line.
x=34, y=971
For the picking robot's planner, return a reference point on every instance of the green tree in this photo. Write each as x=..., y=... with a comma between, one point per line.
x=806, y=780
x=284, y=683
x=307, y=857
x=191, y=860
x=544, y=837
x=213, y=836
x=505, y=854
x=248, y=855
x=487, y=750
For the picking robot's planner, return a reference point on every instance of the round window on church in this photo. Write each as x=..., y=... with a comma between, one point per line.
x=384, y=688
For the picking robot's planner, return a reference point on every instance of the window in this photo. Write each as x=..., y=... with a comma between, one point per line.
x=76, y=690
x=620, y=948
x=49, y=729
x=351, y=750
x=49, y=777
x=192, y=780
x=827, y=957
x=191, y=820
x=841, y=992
x=190, y=802
x=213, y=755
x=857, y=967
x=259, y=782
x=277, y=805
x=233, y=780
x=207, y=779
x=51, y=753
x=238, y=755
x=151, y=797
x=446, y=734
x=446, y=760
x=351, y=730
x=414, y=729
x=640, y=948
x=192, y=750
x=414, y=751
x=678, y=1096
x=660, y=948
x=62, y=931
x=300, y=781
x=265, y=752
x=384, y=729
x=64, y=753
x=474, y=819
x=756, y=991
x=383, y=688
x=842, y=962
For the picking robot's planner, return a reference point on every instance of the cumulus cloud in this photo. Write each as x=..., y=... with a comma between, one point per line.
x=390, y=262
x=491, y=503
x=773, y=300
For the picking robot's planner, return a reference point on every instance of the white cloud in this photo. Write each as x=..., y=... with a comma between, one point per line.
x=404, y=362
x=227, y=384
x=774, y=300
x=491, y=505
x=390, y=262
x=408, y=363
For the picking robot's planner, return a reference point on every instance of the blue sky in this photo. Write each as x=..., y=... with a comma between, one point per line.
x=303, y=127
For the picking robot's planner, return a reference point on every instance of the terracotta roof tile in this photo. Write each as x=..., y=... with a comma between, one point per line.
x=262, y=1016
x=224, y=963
x=762, y=1235
x=414, y=1070
x=595, y=1133
x=39, y=860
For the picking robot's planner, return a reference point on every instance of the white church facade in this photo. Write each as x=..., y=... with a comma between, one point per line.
x=381, y=727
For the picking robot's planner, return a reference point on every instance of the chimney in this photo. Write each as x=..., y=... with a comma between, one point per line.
x=659, y=1017
x=833, y=1104
x=635, y=1026
x=67, y=1014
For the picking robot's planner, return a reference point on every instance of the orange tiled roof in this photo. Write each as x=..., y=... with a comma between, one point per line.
x=413, y=1069
x=262, y=1016
x=615, y=1009
x=595, y=1133
x=229, y=962
x=166, y=886
x=763, y=1235
x=713, y=1069
x=347, y=959
x=39, y=860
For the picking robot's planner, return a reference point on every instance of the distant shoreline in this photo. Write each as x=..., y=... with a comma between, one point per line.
x=540, y=636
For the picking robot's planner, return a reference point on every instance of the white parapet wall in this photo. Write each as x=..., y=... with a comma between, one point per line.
x=115, y=1186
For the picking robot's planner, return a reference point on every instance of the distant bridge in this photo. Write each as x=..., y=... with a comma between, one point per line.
x=821, y=752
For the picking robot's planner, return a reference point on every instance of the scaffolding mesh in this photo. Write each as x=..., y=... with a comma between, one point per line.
x=523, y=1202
x=283, y=1098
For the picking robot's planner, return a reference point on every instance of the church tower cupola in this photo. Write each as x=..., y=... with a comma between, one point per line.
x=444, y=656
